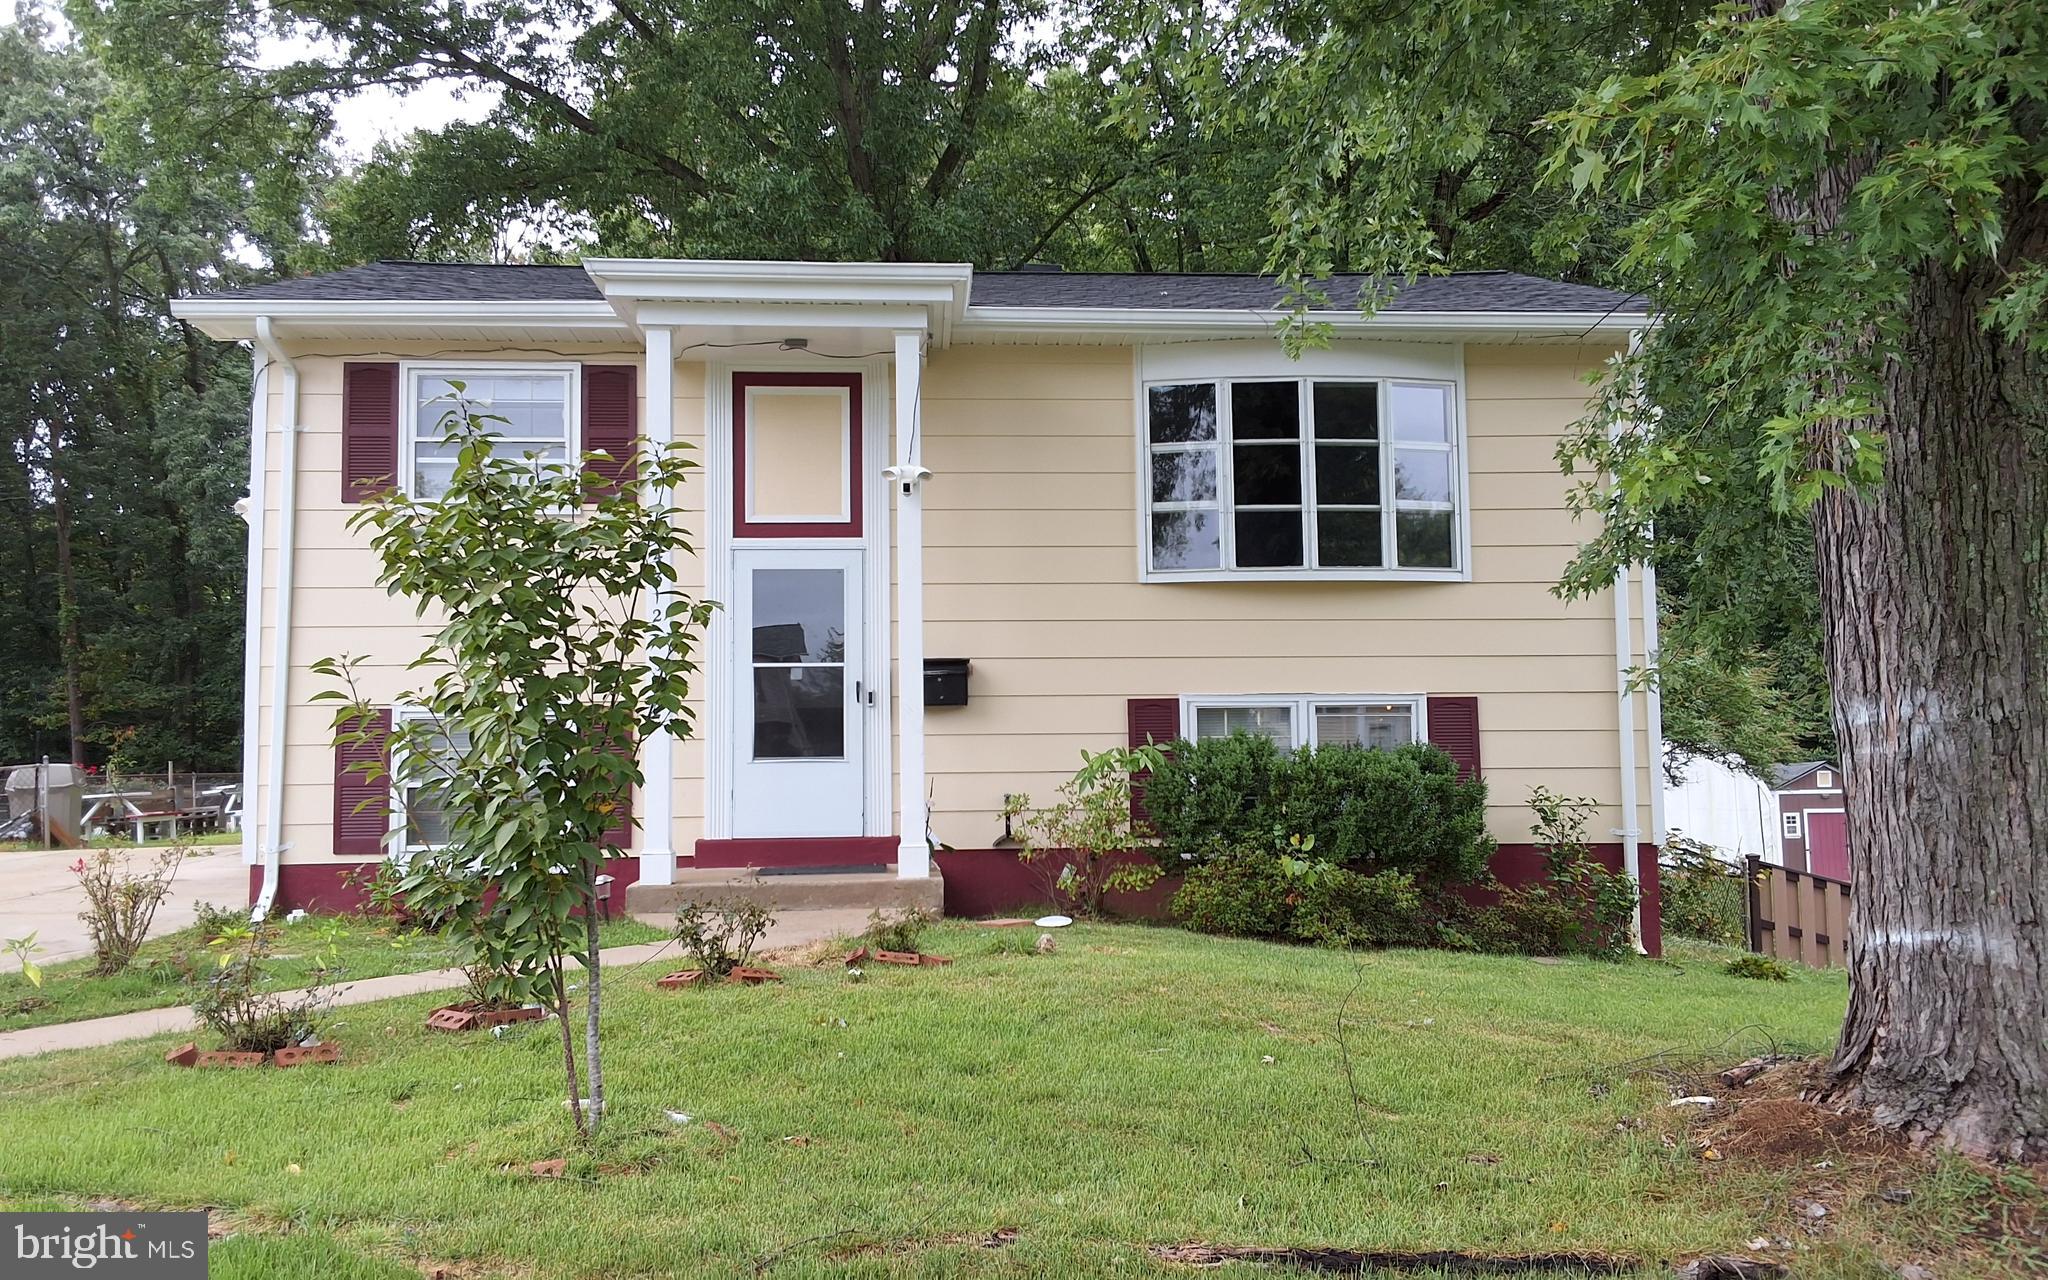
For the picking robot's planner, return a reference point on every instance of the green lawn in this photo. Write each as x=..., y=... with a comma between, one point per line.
x=361, y=949
x=202, y=840
x=1140, y=1086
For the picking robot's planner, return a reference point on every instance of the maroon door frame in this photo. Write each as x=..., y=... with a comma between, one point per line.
x=744, y=528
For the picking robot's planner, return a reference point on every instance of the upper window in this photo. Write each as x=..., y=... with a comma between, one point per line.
x=530, y=409
x=1302, y=475
x=1376, y=723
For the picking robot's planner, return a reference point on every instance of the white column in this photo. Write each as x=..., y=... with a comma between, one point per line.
x=906, y=478
x=658, y=753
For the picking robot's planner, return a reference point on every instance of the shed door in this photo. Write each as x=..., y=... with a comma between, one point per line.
x=1827, y=843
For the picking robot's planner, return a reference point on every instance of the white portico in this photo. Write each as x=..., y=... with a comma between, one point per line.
x=812, y=376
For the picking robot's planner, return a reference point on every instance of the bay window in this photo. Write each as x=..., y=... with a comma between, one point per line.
x=1302, y=476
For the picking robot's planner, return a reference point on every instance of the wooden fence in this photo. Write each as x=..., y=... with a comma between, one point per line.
x=1796, y=915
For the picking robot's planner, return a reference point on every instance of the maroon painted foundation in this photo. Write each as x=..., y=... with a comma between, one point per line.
x=979, y=882
x=324, y=886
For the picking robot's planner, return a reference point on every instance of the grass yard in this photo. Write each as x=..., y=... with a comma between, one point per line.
x=362, y=948
x=205, y=839
x=1141, y=1086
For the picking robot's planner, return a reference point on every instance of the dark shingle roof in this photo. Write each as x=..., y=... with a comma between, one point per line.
x=1459, y=291
x=431, y=282
x=477, y=282
x=1787, y=774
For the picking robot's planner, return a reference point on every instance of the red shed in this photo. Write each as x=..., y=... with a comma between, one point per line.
x=1813, y=830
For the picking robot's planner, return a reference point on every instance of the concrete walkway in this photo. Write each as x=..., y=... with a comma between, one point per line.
x=791, y=929
x=40, y=895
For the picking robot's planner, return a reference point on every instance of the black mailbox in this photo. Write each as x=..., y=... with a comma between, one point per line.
x=945, y=682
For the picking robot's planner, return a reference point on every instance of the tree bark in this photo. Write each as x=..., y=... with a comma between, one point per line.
x=70, y=638
x=1934, y=589
x=593, y=1070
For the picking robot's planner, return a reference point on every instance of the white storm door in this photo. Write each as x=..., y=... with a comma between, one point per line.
x=798, y=756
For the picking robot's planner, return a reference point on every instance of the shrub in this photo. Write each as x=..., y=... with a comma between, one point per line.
x=721, y=936
x=1702, y=896
x=1243, y=893
x=1080, y=844
x=231, y=1000
x=212, y=921
x=1760, y=967
x=1602, y=902
x=121, y=901
x=1214, y=795
x=1399, y=810
x=897, y=931
x=1531, y=922
x=1337, y=907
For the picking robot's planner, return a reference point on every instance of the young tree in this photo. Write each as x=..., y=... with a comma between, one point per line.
x=548, y=662
x=1838, y=208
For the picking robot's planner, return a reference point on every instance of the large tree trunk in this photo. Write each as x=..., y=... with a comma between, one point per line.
x=1935, y=592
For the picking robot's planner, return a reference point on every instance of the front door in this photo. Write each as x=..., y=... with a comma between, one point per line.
x=798, y=759
x=1827, y=843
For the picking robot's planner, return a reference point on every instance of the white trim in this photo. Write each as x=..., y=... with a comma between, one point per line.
x=656, y=835
x=1356, y=365
x=1302, y=710
x=409, y=372
x=721, y=684
x=1143, y=322
x=907, y=481
x=849, y=474
x=234, y=319
x=252, y=606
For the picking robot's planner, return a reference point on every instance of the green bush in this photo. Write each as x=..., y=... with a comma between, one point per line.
x=1400, y=810
x=1244, y=893
x=1760, y=967
x=1702, y=896
x=1337, y=907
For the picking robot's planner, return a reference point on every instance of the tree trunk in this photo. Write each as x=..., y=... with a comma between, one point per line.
x=561, y=993
x=70, y=638
x=1934, y=587
x=593, y=1069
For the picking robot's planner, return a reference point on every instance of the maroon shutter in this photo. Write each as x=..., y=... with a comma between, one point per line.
x=369, y=429
x=1154, y=721
x=1454, y=726
x=610, y=410
x=620, y=836
x=362, y=801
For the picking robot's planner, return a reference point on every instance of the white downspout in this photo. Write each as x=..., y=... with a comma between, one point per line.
x=1624, y=649
x=251, y=509
x=1631, y=835
x=281, y=651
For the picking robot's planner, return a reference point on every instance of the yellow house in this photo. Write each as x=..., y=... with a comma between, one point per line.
x=963, y=524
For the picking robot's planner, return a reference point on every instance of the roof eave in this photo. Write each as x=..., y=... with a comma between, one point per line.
x=234, y=319
x=999, y=321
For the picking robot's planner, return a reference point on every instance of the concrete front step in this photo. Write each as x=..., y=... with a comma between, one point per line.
x=865, y=891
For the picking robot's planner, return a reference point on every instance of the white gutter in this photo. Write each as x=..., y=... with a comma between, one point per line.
x=251, y=509
x=1219, y=323
x=1631, y=835
x=281, y=653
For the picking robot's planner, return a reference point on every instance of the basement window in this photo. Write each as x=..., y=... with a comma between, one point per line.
x=1376, y=722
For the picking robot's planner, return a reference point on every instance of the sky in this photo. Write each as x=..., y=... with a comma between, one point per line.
x=367, y=118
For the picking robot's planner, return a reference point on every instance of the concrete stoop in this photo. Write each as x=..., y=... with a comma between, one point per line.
x=823, y=891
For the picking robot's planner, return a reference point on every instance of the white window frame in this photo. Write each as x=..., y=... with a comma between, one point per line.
x=410, y=372
x=401, y=848
x=1460, y=506
x=1793, y=823
x=1301, y=709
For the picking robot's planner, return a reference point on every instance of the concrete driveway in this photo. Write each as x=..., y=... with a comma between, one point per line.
x=40, y=895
